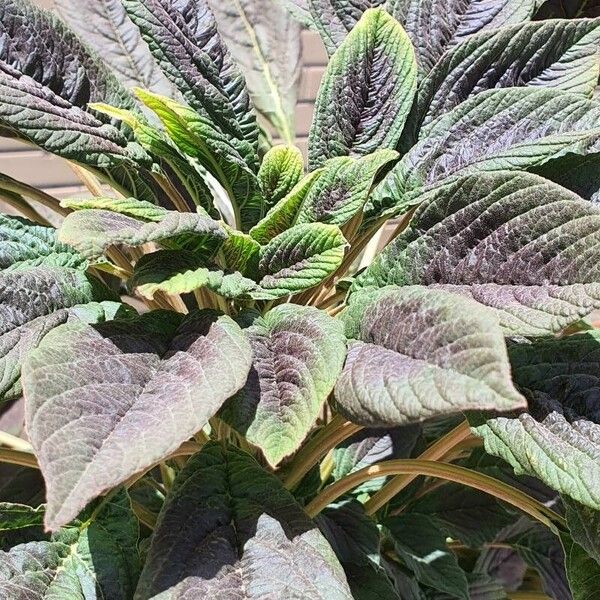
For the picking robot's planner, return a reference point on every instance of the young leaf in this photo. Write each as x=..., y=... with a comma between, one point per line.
x=181, y=272
x=281, y=169
x=90, y=389
x=104, y=26
x=512, y=241
x=265, y=41
x=366, y=92
x=298, y=354
x=418, y=353
x=420, y=544
x=247, y=537
x=558, y=441
x=92, y=232
x=282, y=216
x=241, y=252
x=299, y=259
x=508, y=129
x=343, y=188
x=556, y=54
x=183, y=38
x=97, y=552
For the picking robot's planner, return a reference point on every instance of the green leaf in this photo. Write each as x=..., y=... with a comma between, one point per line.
x=298, y=354
x=241, y=252
x=343, y=188
x=233, y=164
x=105, y=27
x=584, y=526
x=281, y=169
x=91, y=390
x=556, y=54
x=515, y=242
x=180, y=272
x=19, y=516
x=420, y=544
x=265, y=42
x=299, y=259
x=558, y=441
x=131, y=207
x=91, y=232
x=282, y=216
x=583, y=572
x=366, y=92
x=418, y=353
x=184, y=40
x=247, y=537
x=96, y=556
x=509, y=129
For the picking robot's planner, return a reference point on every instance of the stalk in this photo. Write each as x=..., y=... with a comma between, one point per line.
x=18, y=457
x=14, y=442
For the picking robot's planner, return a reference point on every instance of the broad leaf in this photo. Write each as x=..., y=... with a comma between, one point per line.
x=247, y=538
x=584, y=526
x=282, y=216
x=95, y=556
x=19, y=516
x=343, y=188
x=509, y=129
x=240, y=252
x=417, y=353
x=265, y=42
x=583, y=572
x=299, y=259
x=183, y=38
x=181, y=272
x=422, y=546
x=90, y=389
x=559, y=441
x=281, y=169
x=512, y=241
x=131, y=207
x=556, y=54
x=366, y=92
x=92, y=232
x=298, y=354
x=104, y=26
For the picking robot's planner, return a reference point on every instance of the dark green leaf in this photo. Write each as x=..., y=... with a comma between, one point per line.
x=19, y=516
x=584, y=526
x=91, y=390
x=246, y=537
x=583, y=572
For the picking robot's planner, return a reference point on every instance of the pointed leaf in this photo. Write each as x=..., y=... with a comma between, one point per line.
x=419, y=353
x=343, y=188
x=366, y=92
x=184, y=40
x=104, y=26
x=241, y=252
x=146, y=378
x=92, y=232
x=298, y=354
x=583, y=572
x=299, y=259
x=282, y=216
x=512, y=241
x=584, y=526
x=281, y=169
x=95, y=555
x=265, y=42
x=131, y=207
x=248, y=538
x=180, y=272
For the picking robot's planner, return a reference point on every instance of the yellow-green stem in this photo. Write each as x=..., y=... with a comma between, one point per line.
x=14, y=442
x=18, y=457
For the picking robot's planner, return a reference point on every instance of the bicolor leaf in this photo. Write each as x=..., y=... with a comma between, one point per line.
x=91, y=391
x=281, y=169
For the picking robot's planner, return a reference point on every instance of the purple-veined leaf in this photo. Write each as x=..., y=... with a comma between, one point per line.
x=111, y=400
x=515, y=242
x=417, y=353
x=247, y=538
x=91, y=232
x=366, y=92
x=183, y=38
x=508, y=129
x=298, y=259
x=265, y=42
x=298, y=353
x=280, y=171
x=558, y=441
x=557, y=54
x=96, y=554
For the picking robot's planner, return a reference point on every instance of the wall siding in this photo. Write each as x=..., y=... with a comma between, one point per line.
x=55, y=176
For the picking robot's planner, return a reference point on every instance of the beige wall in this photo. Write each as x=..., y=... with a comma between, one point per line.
x=54, y=175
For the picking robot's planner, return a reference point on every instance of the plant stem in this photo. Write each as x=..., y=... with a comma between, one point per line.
x=14, y=442
x=527, y=596
x=18, y=457
x=171, y=192
x=17, y=187
x=454, y=473
x=145, y=516
x=335, y=432
x=88, y=179
x=434, y=452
